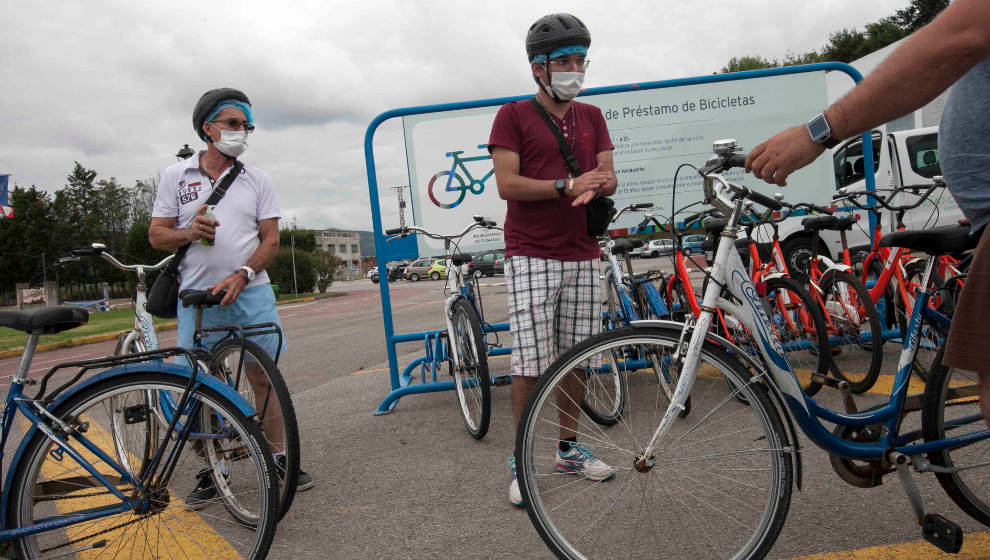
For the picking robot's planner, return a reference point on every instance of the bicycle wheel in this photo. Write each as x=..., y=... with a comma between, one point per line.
x=951, y=409
x=471, y=378
x=261, y=383
x=49, y=484
x=605, y=396
x=852, y=319
x=800, y=324
x=446, y=199
x=717, y=487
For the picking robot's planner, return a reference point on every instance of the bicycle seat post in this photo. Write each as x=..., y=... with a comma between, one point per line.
x=22, y=369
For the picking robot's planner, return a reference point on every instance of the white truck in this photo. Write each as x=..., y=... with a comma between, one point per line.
x=907, y=157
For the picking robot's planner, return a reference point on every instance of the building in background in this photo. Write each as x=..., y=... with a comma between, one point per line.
x=355, y=249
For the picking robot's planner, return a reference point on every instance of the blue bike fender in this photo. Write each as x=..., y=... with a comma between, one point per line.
x=180, y=371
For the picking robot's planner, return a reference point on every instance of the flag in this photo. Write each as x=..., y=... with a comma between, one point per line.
x=6, y=211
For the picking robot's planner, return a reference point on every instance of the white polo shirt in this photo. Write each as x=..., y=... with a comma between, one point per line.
x=184, y=188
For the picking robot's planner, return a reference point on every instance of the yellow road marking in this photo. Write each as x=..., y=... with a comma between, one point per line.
x=196, y=538
x=975, y=546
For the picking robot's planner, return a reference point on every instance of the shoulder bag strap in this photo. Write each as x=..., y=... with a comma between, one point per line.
x=569, y=158
x=215, y=196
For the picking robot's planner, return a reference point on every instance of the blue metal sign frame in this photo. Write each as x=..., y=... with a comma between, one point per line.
x=402, y=385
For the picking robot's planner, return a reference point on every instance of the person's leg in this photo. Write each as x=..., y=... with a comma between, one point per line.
x=578, y=318
x=966, y=347
x=529, y=283
x=265, y=400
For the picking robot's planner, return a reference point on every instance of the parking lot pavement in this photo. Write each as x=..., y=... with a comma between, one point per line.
x=413, y=484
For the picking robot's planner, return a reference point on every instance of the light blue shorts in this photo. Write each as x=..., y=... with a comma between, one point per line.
x=253, y=305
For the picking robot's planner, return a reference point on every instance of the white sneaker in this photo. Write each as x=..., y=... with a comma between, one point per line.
x=514, y=495
x=579, y=460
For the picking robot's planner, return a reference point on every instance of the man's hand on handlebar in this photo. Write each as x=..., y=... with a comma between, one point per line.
x=784, y=153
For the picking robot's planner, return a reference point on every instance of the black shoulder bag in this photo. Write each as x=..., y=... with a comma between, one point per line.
x=600, y=210
x=163, y=298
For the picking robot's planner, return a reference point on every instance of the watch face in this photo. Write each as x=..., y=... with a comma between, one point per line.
x=818, y=128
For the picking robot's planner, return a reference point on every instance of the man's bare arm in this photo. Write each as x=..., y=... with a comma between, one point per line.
x=513, y=186
x=924, y=66
x=266, y=252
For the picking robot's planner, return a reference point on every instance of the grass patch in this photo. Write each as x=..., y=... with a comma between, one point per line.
x=99, y=323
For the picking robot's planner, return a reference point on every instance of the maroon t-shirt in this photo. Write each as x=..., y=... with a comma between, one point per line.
x=549, y=229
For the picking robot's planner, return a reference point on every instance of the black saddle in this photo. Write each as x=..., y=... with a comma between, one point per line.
x=818, y=223
x=49, y=320
x=460, y=258
x=744, y=243
x=624, y=245
x=201, y=298
x=715, y=225
x=949, y=240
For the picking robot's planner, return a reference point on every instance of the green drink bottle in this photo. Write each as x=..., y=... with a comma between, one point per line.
x=209, y=215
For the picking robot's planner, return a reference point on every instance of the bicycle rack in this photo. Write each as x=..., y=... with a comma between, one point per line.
x=434, y=355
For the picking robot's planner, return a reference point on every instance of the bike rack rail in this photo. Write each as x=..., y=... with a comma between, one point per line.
x=435, y=354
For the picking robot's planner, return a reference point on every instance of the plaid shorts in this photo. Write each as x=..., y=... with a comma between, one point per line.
x=553, y=305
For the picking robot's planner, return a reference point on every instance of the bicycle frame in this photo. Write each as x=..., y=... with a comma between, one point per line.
x=37, y=414
x=729, y=271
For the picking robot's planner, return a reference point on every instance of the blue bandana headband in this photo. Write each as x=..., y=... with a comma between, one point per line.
x=240, y=105
x=562, y=51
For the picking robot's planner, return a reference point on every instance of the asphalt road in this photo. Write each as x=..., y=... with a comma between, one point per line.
x=413, y=484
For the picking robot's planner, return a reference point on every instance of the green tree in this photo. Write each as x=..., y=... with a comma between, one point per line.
x=918, y=14
x=25, y=237
x=305, y=239
x=280, y=271
x=138, y=249
x=326, y=266
x=142, y=199
x=743, y=63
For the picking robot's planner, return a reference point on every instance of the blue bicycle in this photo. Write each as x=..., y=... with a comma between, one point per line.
x=97, y=471
x=718, y=484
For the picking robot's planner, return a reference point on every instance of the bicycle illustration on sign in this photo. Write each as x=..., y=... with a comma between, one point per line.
x=447, y=183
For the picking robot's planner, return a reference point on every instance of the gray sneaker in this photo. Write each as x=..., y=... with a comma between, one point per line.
x=303, y=483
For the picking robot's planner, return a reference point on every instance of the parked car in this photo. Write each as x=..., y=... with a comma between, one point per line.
x=394, y=272
x=654, y=248
x=488, y=263
x=418, y=269
x=693, y=244
x=438, y=270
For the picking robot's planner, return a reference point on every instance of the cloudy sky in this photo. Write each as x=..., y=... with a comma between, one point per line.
x=112, y=84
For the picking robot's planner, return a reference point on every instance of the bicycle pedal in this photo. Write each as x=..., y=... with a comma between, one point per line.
x=941, y=532
x=502, y=380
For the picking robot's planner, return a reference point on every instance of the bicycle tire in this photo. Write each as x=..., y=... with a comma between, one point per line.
x=225, y=354
x=252, y=476
x=645, y=512
x=436, y=201
x=964, y=487
x=605, y=398
x=791, y=323
x=847, y=303
x=472, y=381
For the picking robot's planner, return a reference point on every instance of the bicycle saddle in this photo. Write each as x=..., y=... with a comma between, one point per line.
x=948, y=240
x=49, y=320
x=744, y=243
x=461, y=258
x=818, y=223
x=624, y=245
x=200, y=298
x=715, y=225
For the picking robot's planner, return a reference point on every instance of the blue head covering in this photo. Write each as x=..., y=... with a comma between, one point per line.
x=562, y=51
x=240, y=105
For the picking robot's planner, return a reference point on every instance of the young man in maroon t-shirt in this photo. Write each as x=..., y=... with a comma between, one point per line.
x=551, y=266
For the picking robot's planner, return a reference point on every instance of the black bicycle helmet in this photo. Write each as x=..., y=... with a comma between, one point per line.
x=553, y=31
x=208, y=101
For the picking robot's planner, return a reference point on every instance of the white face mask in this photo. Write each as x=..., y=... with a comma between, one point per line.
x=232, y=143
x=565, y=85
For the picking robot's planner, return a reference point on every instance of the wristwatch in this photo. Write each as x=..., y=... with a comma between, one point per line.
x=248, y=271
x=821, y=132
x=561, y=186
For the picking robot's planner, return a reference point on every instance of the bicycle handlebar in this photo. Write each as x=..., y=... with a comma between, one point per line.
x=479, y=221
x=99, y=250
x=884, y=201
